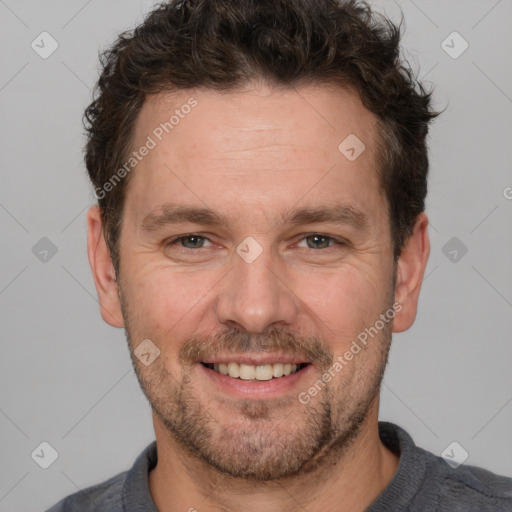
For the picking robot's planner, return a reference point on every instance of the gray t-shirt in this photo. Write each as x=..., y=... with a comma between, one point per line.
x=423, y=482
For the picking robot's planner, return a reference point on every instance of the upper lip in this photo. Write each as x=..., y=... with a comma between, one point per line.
x=255, y=360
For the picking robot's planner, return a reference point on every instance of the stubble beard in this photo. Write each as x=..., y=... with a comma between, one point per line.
x=265, y=440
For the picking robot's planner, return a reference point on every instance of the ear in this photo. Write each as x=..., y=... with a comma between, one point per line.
x=103, y=270
x=409, y=274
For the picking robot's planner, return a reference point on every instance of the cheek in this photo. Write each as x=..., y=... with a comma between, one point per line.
x=336, y=304
x=344, y=301
x=166, y=303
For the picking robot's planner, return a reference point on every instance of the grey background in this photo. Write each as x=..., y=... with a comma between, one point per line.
x=66, y=377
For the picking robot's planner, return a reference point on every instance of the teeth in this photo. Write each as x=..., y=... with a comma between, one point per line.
x=260, y=372
x=247, y=372
x=234, y=370
x=278, y=370
x=264, y=372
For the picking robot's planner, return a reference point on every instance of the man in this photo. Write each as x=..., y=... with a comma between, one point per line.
x=260, y=169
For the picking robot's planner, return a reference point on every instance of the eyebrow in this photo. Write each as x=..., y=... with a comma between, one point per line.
x=169, y=214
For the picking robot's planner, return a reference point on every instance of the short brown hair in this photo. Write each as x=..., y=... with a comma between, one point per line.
x=224, y=44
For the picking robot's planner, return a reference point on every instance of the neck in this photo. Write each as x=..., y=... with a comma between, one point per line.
x=350, y=476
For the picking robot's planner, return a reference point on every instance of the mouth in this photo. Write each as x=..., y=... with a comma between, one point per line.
x=262, y=372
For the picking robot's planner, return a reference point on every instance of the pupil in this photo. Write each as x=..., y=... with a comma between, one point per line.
x=195, y=241
x=318, y=240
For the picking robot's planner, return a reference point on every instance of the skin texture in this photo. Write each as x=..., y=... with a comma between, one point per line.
x=251, y=156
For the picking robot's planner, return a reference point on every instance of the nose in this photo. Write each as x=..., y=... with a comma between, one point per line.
x=256, y=295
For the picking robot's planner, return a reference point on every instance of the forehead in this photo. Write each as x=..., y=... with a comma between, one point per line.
x=312, y=116
x=254, y=147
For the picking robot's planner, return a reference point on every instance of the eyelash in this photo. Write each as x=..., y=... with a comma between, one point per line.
x=175, y=241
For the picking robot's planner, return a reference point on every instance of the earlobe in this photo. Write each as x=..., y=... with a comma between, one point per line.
x=103, y=270
x=409, y=274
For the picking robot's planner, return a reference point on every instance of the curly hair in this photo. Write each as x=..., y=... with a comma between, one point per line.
x=225, y=44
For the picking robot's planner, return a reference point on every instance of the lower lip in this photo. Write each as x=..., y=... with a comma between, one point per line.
x=257, y=388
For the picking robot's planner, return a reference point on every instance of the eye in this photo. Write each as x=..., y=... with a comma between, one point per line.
x=318, y=241
x=190, y=241
x=313, y=241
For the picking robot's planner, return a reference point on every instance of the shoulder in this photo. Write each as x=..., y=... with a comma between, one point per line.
x=127, y=490
x=425, y=482
x=467, y=488
x=106, y=496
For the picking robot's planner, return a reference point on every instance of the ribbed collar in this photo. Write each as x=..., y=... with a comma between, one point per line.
x=396, y=496
x=412, y=466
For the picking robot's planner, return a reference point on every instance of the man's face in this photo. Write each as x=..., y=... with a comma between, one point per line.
x=275, y=280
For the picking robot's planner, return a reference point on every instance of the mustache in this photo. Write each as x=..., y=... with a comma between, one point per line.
x=312, y=349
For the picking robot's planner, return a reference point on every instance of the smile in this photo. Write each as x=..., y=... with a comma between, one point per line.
x=257, y=372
